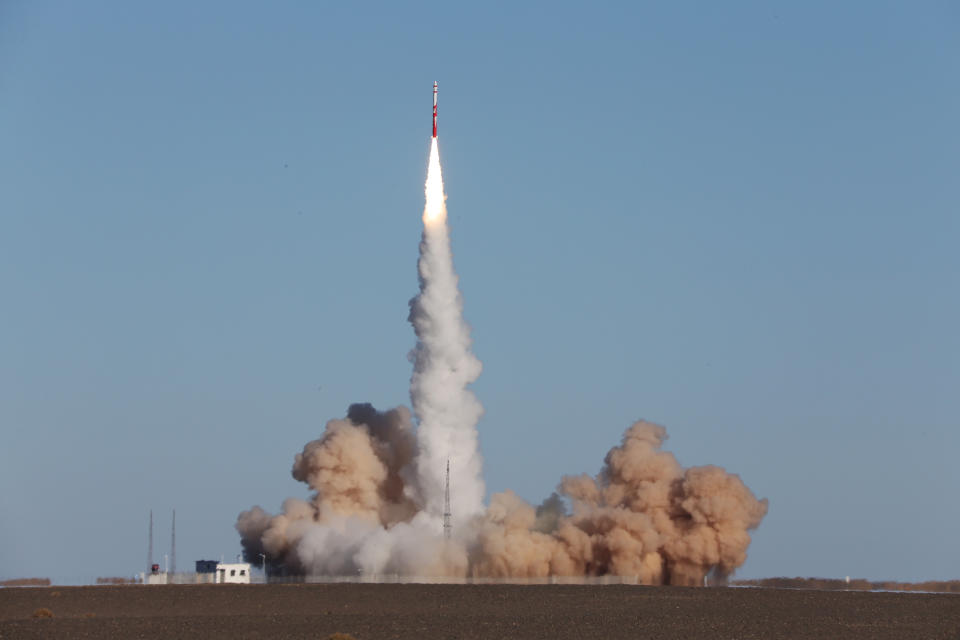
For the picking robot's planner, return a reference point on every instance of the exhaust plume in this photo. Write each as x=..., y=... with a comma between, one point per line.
x=378, y=481
x=443, y=366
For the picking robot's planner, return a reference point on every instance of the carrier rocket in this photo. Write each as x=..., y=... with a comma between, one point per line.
x=434, y=108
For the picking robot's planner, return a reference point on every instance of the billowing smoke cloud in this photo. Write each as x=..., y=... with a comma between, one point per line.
x=643, y=515
x=379, y=486
x=360, y=518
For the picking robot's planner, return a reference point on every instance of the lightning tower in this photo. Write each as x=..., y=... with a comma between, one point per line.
x=447, y=525
x=173, y=544
x=150, y=544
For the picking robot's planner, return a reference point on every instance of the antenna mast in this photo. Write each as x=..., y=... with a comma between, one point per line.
x=447, y=526
x=150, y=545
x=173, y=544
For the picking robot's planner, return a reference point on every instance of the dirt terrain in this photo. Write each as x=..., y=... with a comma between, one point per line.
x=375, y=612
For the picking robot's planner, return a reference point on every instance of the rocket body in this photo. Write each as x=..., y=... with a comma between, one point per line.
x=434, y=109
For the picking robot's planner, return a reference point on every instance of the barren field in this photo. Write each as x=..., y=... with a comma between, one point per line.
x=374, y=612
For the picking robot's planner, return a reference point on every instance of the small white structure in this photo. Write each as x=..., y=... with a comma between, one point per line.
x=155, y=577
x=233, y=573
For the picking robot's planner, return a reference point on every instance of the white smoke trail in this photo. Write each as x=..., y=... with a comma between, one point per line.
x=443, y=368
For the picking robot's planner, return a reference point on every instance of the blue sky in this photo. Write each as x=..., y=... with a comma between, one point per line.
x=739, y=221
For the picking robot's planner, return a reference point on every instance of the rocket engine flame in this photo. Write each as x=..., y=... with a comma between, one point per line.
x=435, y=209
x=379, y=484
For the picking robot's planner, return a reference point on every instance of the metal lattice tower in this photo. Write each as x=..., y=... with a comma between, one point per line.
x=447, y=525
x=173, y=544
x=150, y=544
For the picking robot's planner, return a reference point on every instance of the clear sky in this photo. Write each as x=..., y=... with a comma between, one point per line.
x=739, y=220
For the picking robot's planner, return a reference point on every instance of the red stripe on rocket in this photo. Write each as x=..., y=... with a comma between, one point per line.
x=434, y=109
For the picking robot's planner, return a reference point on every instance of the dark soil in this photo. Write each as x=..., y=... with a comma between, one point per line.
x=375, y=612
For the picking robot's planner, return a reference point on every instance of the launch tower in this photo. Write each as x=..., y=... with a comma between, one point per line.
x=447, y=526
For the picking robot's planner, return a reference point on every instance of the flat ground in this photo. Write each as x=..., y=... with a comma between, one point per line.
x=376, y=612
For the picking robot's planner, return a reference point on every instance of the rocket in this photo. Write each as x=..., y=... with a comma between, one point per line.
x=434, y=108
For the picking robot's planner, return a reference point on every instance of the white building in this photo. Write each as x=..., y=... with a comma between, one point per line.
x=154, y=577
x=233, y=572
